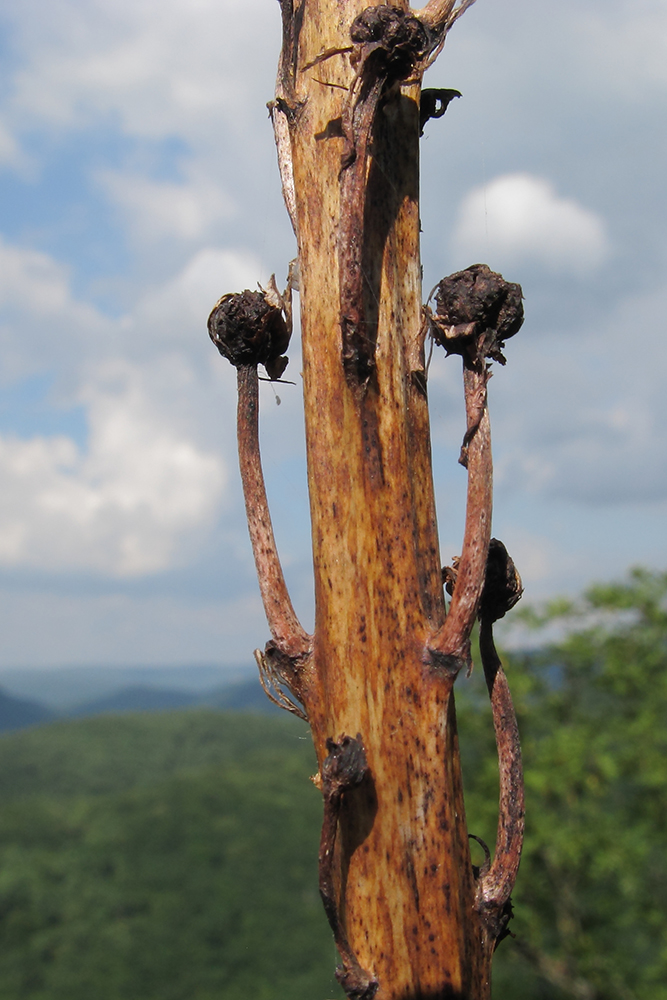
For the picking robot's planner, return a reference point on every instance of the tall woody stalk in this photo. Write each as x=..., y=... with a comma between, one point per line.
x=411, y=918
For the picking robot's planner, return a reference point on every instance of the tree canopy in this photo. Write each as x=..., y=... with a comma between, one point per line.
x=590, y=901
x=173, y=856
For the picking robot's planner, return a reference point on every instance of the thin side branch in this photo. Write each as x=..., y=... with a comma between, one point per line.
x=452, y=641
x=477, y=310
x=358, y=352
x=496, y=885
x=502, y=589
x=388, y=46
x=288, y=634
x=284, y=108
x=439, y=15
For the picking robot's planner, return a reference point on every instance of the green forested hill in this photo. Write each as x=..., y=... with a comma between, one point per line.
x=166, y=857
x=173, y=856
x=116, y=752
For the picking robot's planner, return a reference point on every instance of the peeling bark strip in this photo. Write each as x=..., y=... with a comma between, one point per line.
x=343, y=769
x=388, y=45
x=284, y=109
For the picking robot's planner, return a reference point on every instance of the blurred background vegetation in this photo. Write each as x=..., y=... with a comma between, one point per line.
x=173, y=856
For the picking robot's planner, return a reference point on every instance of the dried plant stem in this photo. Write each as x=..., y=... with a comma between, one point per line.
x=289, y=636
x=452, y=641
x=497, y=884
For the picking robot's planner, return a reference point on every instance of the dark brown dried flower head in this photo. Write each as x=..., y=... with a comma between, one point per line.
x=397, y=40
x=477, y=311
x=248, y=330
x=502, y=583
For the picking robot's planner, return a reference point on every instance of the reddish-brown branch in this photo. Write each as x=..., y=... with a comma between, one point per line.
x=496, y=885
x=451, y=643
x=289, y=636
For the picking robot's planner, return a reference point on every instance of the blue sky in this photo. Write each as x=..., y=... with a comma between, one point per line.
x=138, y=183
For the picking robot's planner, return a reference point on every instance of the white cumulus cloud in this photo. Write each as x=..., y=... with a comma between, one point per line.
x=160, y=67
x=142, y=493
x=521, y=218
x=124, y=505
x=588, y=427
x=43, y=326
x=153, y=210
x=180, y=307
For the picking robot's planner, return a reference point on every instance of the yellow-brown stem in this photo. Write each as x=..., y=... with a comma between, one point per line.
x=401, y=875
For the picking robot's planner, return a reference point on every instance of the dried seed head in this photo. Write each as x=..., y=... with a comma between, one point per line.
x=502, y=583
x=477, y=311
x=248, y=330
x=399, y=40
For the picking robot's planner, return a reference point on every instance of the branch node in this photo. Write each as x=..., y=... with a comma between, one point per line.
x=277, y=671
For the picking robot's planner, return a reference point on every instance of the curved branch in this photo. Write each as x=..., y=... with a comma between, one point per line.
x=451, y=644
x=477, y=310
x=495, y=886
x=288, y=634
x=439, y=15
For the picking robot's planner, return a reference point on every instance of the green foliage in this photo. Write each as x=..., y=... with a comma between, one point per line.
x=197, y=881
x=111, y=753
x=591, y=899
x=173, y=857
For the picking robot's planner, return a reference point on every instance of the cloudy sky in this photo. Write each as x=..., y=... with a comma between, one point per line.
x=138, y=183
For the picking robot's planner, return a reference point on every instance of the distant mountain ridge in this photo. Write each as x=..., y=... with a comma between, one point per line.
x=63, y=688
x=241, y=696
x=17, y=713
x=136, y=699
